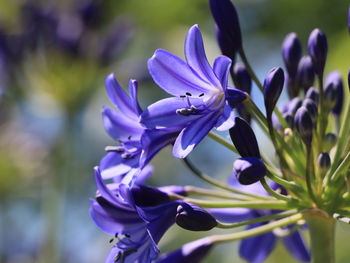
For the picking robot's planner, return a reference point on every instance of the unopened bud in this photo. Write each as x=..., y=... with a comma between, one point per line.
x=305, y=73
x=273, y=86
x=330, y=96
x=318, y=47
x=335, y=78
x=291, y=53
x=248, y=170
x=313, y=94
x=194, y=218
x=304, y=125
x=323, y=162
x=312, y=108
x=329, y=141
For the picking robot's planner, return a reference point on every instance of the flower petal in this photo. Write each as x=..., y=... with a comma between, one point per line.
x=113, y=165
x=221, y=68
x=119, y=126
x=256, y=249
x=196, y=58
x=296, y=246
x=174, y=76
x=133, y=89
x=118, y=96
x=226, y=121
x=193, y=134
x=155, y=140
x=163, y=112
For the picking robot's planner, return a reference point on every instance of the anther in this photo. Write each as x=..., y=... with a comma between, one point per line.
x=111, y=240
x=114, y=149
x=188, y=94
x=182, y=96
x=201, y=95
x=127, y=155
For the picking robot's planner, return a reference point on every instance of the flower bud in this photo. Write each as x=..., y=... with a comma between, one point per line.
x=241, y=78
x=194, y=218
x=248, y=170
x=324, y=162
x=305, y=73
x=148, y=196
x=318, y=47
x=291, y=53
x=329, y=141
x=244, y=139
x=313, y=94
x=294, y=105
x=226, y=18
x=303, y=124
x=273, y=86
x=330, y=96
x=289, y=119
x=311, y=108
x=226, y=45
x=335, y=78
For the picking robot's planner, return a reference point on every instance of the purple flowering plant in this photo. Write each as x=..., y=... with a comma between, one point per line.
x=305, y=189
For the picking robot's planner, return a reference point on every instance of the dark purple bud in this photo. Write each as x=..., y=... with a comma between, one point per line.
x=244, y=139
x=318, y=47
x=330, y=96
x=311, y=108
x=248, y=170
x=194, y=218
x=226, y=18
x=335, y=78
x=241, y=78
x=329, y=141
x=192, y=252
x=304, y=125
x=294, y=105
x=305, y=73
x=291, y=53
x=289, y=119
x=313, y=94
x=148, y=196
x=226, y=45
x=324, y=161
x=273, y=86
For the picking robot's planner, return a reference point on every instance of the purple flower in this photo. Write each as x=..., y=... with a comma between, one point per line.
x=192, y=252
x=138, y=229
x=136, y=145
x=203, y=99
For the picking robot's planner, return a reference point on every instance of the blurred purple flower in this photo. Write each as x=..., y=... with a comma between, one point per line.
x=203, y=99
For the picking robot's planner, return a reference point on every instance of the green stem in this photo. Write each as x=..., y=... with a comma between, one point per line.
x=257, y=230
x=272, y=192
x=192, y=190
x=219, y=184
x=258, y=220
x=322, y=230
x=222, y=141
x=342, y=167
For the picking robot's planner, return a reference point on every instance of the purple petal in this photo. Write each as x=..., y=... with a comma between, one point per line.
x=118, y=96
x=296, y=246
x=144, y=174
x=163, y=112
x=226, y=121
x=196, y=58
x=133, y=89
x=155, y=140
x=174, y=76
x=256, y=249
x=103, y=189
x=112, y=165
x=119, y=126
x=193, y=134
x=221, y=69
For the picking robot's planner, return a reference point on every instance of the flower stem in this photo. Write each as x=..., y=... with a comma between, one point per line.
x=322, y=230
x=219, y=184
x=272, y=192
x=258, y=220
x=192, y=190
x=222, y=141
x=257, y=230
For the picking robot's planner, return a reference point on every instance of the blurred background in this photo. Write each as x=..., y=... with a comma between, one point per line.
x=54, y=56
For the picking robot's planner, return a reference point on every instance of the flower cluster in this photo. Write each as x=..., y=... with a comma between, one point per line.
x=309, y=134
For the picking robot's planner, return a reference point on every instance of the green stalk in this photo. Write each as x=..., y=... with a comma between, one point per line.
x=257, y=220
x=222, y=141
x=257, y=230
x=322, y=231
x=272, y=192
x=192, y=190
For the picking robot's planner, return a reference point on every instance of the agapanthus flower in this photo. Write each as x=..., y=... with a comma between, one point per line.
x=138, y=229
x=202, y=99
x=136, y=145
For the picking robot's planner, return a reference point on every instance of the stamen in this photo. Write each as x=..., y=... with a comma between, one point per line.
x=201, y=95
x=188, y=94
x=114, y=149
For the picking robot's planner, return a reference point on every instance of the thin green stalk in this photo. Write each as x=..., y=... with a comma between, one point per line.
x=272, y=192
x=257, y=230
x=309, y=164
x=249, y=68
x=219, y=184
x=192, y=190
x=222, y=141
x=341, y=168
x=257, y=220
